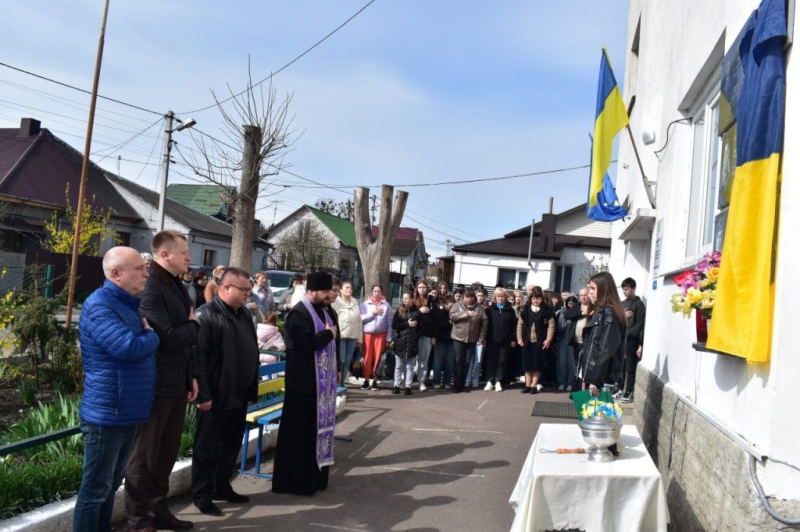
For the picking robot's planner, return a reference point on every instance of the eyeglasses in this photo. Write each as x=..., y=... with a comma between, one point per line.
x=245, y=290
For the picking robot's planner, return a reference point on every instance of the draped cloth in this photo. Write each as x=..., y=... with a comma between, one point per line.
x=327, y=381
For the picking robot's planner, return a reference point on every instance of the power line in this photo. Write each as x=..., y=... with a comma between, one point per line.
x=51, y=80
x=284, y=67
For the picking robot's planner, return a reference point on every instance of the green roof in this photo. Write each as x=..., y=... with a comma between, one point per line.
x=200, y=198
x=340, y=227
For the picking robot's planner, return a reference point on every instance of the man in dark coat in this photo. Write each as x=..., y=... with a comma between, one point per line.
x=635, y=311
x=169, y=311
x=227, y=360
x=305, y=439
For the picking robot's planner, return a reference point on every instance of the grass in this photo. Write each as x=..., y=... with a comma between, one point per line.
x=28, y=485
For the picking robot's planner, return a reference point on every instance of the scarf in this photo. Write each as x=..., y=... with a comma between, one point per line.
x=325, y=365
x=376, y=302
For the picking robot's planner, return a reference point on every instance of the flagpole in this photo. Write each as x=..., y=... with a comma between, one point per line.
x=647, y=185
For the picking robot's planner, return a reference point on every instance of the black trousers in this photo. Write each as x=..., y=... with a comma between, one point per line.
x=631, y=361
x=464, y=355
x=155, y=450
x=496, y=356
x=216, y=447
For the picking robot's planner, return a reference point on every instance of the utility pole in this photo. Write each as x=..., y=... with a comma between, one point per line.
x=119, y=162
x=374, y=207
x=162, y=199
x=449, y=248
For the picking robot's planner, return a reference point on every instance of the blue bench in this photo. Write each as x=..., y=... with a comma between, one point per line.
x=267, y=410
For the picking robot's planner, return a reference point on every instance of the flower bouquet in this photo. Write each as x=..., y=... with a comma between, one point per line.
x=698, y=287
x=601, y=425
x=601, y=409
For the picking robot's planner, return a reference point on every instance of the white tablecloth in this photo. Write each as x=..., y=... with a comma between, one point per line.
x=567, y=491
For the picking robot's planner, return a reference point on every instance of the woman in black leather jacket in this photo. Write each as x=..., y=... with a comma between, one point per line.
x=603, y=335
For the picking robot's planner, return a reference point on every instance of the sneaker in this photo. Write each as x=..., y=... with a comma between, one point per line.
x=439, y=386
x=374, y=384
x=422, y=387
x=569, y=388
x=561, y=387
x=627, y=398
x=395, y=390
x=488, y=387
x=407, y=392
x=539, y=387
x=498, y=387
x=526, y=389
x=365, y=386
x=618, y=395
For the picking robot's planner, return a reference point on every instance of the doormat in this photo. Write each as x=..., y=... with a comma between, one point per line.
x=554, y=409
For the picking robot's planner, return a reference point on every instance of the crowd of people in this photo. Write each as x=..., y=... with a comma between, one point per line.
x=156, y=337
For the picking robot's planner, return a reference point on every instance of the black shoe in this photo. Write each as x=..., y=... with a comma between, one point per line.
x=375, y=384
x=526, y=389
x=534, y=390
x=365, y=386
x=407, y=392
x=170, y=522
x=395, y=390
x=231, y=496
x=207, y=507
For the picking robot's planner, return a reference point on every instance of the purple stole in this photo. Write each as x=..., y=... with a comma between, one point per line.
x=327, y=382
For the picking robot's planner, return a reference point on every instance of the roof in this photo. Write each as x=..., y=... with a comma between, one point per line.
x=37, y=168
x=206, y=199
x=526, y=231
x=340, y=227
x=518, y=246
x=403, y=233
x=196, y=221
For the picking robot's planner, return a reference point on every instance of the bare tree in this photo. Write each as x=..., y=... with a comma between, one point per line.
x=306, y=247
x=249, y=162
x=376, y=252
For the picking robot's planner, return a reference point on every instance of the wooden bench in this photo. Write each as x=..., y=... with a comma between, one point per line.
x=267, y=410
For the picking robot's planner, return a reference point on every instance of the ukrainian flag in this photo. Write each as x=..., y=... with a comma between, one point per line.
x=610, y=117
x=742, y=318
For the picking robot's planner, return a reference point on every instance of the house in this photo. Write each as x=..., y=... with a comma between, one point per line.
x=716, y=425
x=566, y=249
x=310, y=238
x=209, y=237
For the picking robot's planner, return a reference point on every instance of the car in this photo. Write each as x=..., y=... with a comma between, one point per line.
x=279, y=281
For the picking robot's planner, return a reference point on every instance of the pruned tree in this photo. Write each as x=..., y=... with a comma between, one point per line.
x=306, y=247
x=376, y=252
x=342, y=209
x=249, y=162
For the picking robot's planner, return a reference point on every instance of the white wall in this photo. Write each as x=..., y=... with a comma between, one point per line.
x=578, y=224
x=677, y=47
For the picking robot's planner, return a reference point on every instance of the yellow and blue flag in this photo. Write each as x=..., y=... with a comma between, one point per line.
x=610, y=117
x=745, y=294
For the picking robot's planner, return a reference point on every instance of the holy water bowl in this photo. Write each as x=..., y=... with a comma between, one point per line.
x=600, y=433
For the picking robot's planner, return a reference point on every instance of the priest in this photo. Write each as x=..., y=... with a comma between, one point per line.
x=305, y=439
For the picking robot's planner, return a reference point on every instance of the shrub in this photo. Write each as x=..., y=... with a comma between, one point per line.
x=27, y=391
x=60, y=414
x=28, y=485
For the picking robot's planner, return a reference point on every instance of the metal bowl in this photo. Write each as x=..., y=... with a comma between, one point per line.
x=600, y=433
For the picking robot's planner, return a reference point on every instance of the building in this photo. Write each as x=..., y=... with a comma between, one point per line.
x=566, y=249
x=706, y=417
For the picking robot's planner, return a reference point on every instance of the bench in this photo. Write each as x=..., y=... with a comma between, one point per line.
x=268, y=409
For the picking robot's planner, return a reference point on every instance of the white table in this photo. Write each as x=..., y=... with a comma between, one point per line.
x=566, y=491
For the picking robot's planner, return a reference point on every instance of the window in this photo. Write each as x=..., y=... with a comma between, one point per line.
x=563, y=280
x=123, y=238
x=513, y=279
x=208, y=257
x=304, y=230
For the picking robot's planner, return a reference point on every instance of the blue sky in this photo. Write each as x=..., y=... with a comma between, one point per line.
x=408, y=92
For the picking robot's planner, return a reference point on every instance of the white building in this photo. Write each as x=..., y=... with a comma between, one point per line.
x=707, y=412
x=566, y=250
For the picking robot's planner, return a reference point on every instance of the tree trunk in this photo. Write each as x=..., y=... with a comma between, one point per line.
x=244, y=206
x=375, y=253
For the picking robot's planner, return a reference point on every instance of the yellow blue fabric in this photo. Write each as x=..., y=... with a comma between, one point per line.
x=743, y=309
x=610, y=117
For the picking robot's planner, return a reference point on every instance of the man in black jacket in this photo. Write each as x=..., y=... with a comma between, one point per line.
x=500, y=339
x=635, y=312
x=227, y=360
x=166, y=306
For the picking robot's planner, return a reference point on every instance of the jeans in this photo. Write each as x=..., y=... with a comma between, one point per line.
x=443, y=362
x=105, y=455
x=564, y=363
x=630, y=363
x=474, y=370
x=464, y=355
x=347, y=347
x=403, y=368
x=423, y=354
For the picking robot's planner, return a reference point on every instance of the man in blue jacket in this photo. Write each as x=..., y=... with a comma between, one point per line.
x=118, y=349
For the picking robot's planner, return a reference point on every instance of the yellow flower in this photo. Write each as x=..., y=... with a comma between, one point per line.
x=708, y=299
x=713, y=274
x=694, y=296
x=705, y=283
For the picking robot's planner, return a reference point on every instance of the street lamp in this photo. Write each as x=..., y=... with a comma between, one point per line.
x=165, y=164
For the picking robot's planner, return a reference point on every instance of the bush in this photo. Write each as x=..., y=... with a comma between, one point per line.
x=60, y=414
x=27, y=391
x=28, y=485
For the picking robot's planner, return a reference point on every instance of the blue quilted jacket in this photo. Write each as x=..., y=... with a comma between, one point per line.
x=118, y=359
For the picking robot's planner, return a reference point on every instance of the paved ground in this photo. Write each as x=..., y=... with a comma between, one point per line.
x=429, y=462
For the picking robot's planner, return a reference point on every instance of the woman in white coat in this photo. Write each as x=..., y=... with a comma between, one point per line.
x=350, y=328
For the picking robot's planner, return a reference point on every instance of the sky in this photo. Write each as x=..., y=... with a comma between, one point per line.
x=407, y=92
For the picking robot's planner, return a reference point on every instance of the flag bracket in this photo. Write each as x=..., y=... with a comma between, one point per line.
x=648, y=183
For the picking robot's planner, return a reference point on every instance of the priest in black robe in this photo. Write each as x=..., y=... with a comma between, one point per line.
x=305, y=438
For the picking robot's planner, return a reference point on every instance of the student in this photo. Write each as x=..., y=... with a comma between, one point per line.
x=269, y=336
x=635, y=313
x=406, y=343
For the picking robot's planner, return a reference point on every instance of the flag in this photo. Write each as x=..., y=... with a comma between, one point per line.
x=745, y=295
x=610, y=118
